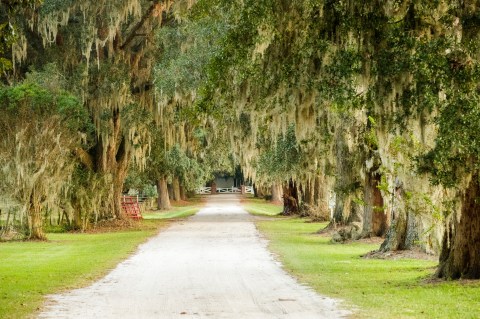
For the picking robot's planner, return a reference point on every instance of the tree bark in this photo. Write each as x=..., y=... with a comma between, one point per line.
x=170, y=191
x=176, y=189
x=460, y=257
x=258, y=191
x=112, y=158
x=35, y=219
x=77, y=218
x=347, y=183
x=163, y=200
x=402, y=233
x=119, y=176
x=277, y=193
x=309, y=193
x=290, y=199
x=320, y=198
x=183, y=193
x=374, y=217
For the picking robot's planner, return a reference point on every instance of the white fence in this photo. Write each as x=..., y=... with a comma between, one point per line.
x=229, y=190
x=225, y=190
x=204, y=190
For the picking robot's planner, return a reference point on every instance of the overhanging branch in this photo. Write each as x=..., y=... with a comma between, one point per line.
x=133, y=32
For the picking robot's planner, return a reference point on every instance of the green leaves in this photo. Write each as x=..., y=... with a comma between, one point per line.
x=281, y=161
x=455, y=154
x=38, y=98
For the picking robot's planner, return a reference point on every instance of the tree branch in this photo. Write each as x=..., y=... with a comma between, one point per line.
x=140, y=23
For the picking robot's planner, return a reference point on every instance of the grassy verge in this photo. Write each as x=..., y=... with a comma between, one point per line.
x=376, y=288
x=174, y=213
x=260, y=207
x=31, y=270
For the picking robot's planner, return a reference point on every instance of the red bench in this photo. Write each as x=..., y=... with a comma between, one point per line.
x=130, y=207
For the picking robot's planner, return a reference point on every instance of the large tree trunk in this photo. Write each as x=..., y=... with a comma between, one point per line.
x=402, y=233
x=112, y=158
x=170, y=191
x=347, y=184
x=258, y=191
x=460, y=257
x=374, y=217
x=290, y=199
x=309, y=192
x=176, y=189
x=277, y=193
x=163, y=200
x=320, y=198
x=35, y=219
x=119, y=176
x=77, y=217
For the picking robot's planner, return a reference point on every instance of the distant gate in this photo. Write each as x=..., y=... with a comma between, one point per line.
x=225, y=190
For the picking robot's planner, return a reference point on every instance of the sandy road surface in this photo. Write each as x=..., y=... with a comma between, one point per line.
x=213, y=265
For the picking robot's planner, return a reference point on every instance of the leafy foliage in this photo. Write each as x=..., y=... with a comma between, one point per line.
x=281, y=160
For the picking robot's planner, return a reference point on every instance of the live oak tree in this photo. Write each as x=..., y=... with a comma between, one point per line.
x=106, y=51
x=41, y=123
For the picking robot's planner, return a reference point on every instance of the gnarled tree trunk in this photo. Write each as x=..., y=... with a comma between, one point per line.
x=163, y=200
x=290, y=198
x=112, y=157
x=460, y=257
x=402, y=233
x=374, y=217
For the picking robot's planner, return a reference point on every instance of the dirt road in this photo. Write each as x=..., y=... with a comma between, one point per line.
x=213, y=265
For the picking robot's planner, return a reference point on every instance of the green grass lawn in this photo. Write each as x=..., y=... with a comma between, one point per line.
x=31, y=270
x=261, y=207
x=376, y=288
x=174, y=213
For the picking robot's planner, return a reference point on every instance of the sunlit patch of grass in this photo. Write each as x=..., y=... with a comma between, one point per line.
x=376, y=288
